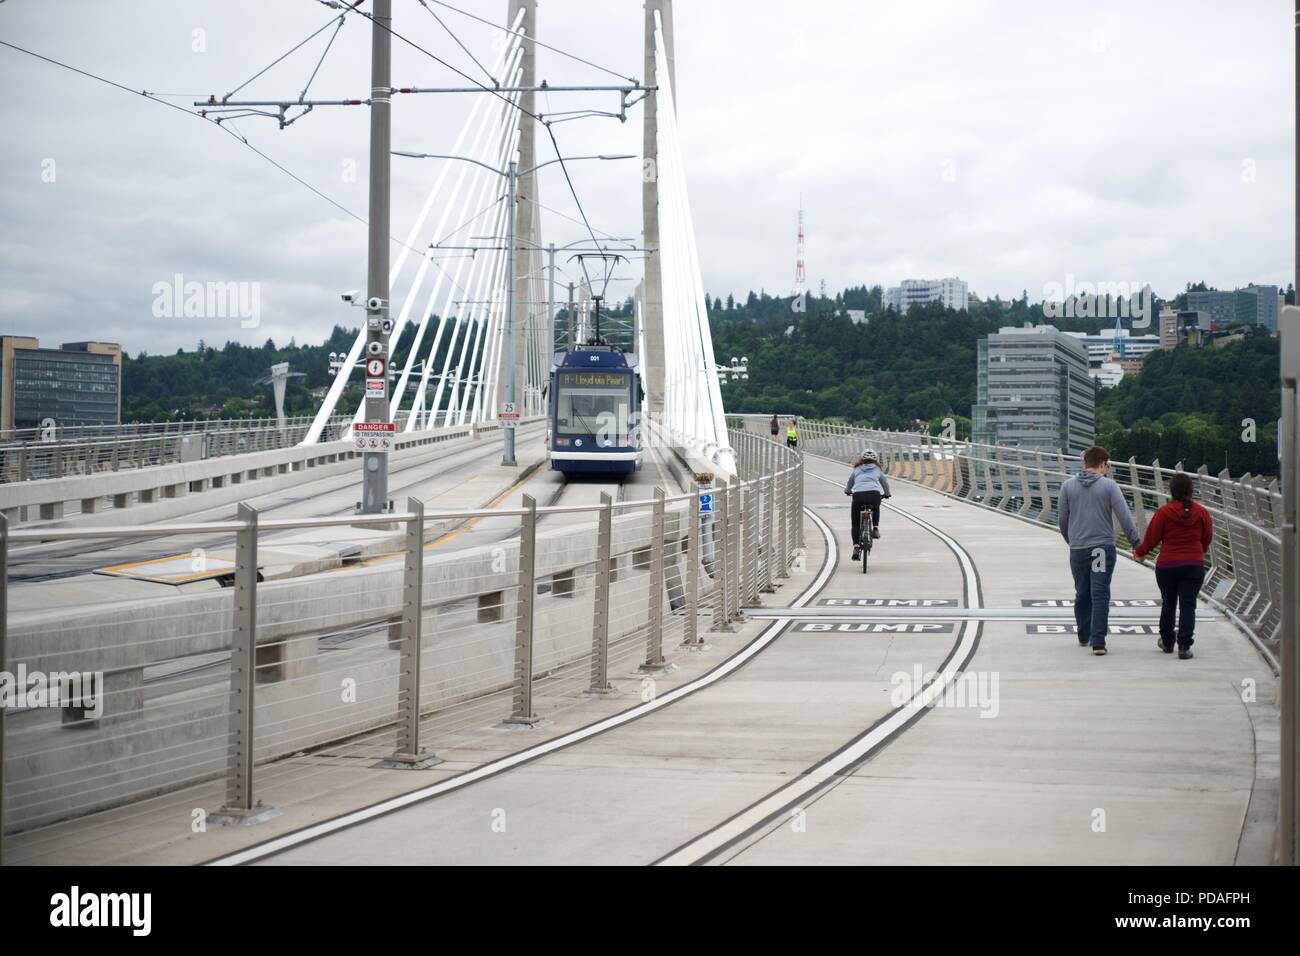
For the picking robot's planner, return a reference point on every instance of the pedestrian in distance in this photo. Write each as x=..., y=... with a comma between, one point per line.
x=776, y=427
x=1183, y=531
x=792, y=435
x=1088, y=506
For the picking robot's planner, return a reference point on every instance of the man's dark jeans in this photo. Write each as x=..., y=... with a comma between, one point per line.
x=1178, y=588
x=1092, y=592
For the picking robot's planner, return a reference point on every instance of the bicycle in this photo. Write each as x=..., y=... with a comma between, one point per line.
x=864, y=535
x=865, y=532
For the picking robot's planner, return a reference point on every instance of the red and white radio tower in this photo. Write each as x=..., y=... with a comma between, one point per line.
x=800, y=276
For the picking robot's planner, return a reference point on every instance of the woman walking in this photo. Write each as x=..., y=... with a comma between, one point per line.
x=792, y=435
x=1183, y=530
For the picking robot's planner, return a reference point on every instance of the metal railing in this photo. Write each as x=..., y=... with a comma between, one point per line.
x=66, y=451
x=1244, y=578
x=234, y=692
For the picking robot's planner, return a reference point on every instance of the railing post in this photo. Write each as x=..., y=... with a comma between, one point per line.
x=798, y=507
x=722, y=557
x=734, y=565
x=600, y=686
x=769, y=528
x=522, y=711
x=783, y=523
x=691, y=633
x=240, y=806
x=1289, y=818
x=749, y=545
x=654, y=644
x=408, y=755
x=4, y=661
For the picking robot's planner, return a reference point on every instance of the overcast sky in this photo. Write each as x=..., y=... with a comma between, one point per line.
x=1012, y=144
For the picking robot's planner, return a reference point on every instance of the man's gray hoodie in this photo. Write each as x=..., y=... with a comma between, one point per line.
x=1088, y=500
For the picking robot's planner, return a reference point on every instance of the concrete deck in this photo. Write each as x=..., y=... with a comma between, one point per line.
x=802, y=754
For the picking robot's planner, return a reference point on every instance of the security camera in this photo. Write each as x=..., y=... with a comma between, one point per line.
x=374, y=303
x=350, y=297
x=375, y=348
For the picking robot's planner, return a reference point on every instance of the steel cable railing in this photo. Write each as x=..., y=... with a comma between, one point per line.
x=383, y=661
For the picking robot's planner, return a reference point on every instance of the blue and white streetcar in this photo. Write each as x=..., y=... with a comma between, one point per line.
x=595, y=410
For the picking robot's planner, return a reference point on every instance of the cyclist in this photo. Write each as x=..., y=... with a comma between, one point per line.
x=867, y=485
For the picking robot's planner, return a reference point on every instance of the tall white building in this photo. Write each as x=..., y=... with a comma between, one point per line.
x=953, y=293
x=1101, y=345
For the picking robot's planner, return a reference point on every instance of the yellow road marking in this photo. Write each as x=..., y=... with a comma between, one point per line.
x=451, y=535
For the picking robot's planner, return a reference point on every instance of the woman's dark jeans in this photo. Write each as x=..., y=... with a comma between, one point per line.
x=1179, y=587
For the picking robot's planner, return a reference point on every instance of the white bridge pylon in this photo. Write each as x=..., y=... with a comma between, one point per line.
x=693, y=412
x=467, y=292
x=465, y=268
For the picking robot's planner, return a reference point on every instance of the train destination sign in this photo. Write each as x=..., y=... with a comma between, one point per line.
x=594, y=379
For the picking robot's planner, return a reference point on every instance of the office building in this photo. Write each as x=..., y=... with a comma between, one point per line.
x=953, y=293
x=1221, y=307
x=77, y=384
x=1252, y=305
x=1102, y=345
x=1257, y=305
x=1034, y=391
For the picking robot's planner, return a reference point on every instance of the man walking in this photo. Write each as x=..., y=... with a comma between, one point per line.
x=1089, y=502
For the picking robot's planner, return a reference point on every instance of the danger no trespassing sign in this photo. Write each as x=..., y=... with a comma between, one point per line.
x=374, y=436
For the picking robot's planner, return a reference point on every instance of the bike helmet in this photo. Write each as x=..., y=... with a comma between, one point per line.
x=870, y=456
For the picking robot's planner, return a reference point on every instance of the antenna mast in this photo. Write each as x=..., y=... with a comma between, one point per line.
x=800, y=276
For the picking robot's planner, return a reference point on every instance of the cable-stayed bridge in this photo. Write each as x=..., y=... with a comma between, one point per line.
x=241, y=665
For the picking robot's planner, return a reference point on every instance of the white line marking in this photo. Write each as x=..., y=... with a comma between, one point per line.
x=768, y=635
x=734, y=829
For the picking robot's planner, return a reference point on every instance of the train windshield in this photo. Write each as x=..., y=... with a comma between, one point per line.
x=596, y=404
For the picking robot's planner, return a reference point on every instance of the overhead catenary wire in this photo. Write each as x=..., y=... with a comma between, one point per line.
x=298, y=46
x=535, y=42
x=188, y=112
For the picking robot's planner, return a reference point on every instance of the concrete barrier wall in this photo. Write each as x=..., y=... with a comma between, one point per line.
x=165, y=734
x=155, y=491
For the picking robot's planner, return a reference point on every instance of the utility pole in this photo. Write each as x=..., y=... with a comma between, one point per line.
x=569, y=315
x=508, y=431
x=652, y=363
x=374, y=482
x=550, y=306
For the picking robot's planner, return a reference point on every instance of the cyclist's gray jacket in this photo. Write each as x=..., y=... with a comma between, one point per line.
x=867, y=478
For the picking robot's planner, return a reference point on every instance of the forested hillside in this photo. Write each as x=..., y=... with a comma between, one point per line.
x=809, y=358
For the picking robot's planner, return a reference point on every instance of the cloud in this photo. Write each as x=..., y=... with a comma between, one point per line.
x=1009, y=143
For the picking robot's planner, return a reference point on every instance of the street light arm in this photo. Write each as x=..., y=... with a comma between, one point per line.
x=525, y=172
x=573, y=159
x=463, y=159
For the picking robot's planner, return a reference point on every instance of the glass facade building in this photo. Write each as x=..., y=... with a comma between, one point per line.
x=1252, y=305
x=78, y=384
x=1033, y=391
